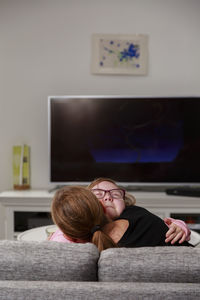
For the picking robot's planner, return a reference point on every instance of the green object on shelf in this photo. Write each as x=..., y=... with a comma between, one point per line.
x=21, y=167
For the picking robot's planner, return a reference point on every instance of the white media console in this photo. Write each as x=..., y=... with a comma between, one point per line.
x=34, y=204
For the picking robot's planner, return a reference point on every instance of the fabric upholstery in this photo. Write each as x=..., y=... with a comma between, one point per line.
x=150, y=264
x=48, y=261
x=60, y=271
x=34, y=290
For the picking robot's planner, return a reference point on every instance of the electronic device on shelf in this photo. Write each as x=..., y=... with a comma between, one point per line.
x=184, y=191
x=137, y=141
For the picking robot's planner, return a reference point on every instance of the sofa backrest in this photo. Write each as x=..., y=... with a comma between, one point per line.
x=150, y=264
x=48, y=261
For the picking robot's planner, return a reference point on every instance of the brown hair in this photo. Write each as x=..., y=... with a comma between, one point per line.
x=129, y=199
x=76, y=211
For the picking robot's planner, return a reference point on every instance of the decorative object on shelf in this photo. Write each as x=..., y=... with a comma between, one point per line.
x=119, y=54
x=21, y=167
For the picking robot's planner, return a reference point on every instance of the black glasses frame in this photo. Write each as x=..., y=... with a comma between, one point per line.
x=108, y=191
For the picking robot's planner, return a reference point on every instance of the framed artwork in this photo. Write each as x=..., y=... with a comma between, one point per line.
x=119, y=54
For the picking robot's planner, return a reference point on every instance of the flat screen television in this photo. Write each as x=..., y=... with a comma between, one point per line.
x=137, y=141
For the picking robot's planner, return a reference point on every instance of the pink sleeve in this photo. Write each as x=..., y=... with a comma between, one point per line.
x=183, y=225
x=58, y=236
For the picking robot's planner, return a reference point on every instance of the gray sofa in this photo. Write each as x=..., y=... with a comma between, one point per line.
x=51, y=270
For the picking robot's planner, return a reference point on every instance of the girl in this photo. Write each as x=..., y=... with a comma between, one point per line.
x=120, y=205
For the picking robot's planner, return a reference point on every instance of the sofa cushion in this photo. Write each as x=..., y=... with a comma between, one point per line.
x=42, y=290
x=48, y=261
x=150, y=264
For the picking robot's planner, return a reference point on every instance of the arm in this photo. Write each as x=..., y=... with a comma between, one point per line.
x=178, y=231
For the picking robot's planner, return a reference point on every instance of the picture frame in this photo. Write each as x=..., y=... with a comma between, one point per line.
x=120, y=54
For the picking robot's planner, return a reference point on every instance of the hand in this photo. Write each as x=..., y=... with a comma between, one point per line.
x=175, y=233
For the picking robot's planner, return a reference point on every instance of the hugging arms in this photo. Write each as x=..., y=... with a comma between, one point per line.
x=77, y=211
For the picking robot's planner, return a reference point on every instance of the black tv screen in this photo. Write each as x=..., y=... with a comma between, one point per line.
x=133, y=140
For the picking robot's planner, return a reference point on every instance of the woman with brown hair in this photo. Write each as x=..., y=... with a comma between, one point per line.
x=80, y=218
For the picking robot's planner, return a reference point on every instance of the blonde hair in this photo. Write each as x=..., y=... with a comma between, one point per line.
x=128, y=199
x=76, y=211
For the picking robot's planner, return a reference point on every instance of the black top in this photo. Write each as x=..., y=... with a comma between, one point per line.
x=145, y=229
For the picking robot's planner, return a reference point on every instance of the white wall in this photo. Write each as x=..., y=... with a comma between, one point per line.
x=45, y=49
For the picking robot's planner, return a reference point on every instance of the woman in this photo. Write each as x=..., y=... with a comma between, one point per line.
x=80, y=218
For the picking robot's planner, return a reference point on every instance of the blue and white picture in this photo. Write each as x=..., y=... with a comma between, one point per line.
x=119, y=54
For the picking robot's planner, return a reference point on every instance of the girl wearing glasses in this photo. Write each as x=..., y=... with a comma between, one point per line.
x=141, y=228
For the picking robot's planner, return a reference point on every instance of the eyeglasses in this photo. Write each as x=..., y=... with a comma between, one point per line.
x=114, y=193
